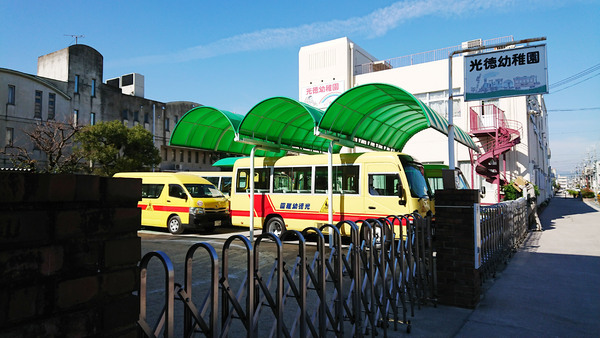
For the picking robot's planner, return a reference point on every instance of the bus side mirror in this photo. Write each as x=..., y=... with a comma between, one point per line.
x=401, y=194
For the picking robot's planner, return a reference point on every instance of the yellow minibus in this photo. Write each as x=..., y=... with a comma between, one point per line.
x=221, y=179
x=291, y=191
x=180, y=201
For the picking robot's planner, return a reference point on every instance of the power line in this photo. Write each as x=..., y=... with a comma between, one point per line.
x=556, y=91
x=576, y=76
x=575, y=109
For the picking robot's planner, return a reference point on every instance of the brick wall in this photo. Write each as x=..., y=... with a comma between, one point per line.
x=68, y=255
x=458, y=282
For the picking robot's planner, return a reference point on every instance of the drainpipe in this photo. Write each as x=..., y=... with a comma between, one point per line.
x=351, y=81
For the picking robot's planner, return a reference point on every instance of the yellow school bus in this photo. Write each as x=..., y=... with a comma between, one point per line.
x=291, y=191
x=221, y=179
x=179, y=200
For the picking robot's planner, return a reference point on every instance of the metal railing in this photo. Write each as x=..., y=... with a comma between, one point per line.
x=490, y=118
x=418, y=58
x=503, y=227
x=363, y=287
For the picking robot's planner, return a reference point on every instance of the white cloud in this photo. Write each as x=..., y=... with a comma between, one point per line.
x=374, y=24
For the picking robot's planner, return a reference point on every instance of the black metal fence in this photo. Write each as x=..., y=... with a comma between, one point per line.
x=503, y=227
x=364, y=284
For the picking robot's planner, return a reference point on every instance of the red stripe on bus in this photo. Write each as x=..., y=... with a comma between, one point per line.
x=263, y=206
x=165, y=208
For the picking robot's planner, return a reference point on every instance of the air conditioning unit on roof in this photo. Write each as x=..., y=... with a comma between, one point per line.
x=381, y=65
x=472, y=43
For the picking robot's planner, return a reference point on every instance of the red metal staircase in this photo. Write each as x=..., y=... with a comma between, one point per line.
x=497, y=136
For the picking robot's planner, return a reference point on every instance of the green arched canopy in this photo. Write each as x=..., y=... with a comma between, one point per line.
x=212, y=129
x=284, y=123
x=383, y=116
x=377, y=116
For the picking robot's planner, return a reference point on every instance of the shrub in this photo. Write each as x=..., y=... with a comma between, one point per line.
x=510, y=193
x=587, y=193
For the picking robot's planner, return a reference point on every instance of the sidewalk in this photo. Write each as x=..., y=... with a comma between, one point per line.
x=550, y=288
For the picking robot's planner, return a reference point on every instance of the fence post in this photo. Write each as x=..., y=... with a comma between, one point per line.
x=459, y=282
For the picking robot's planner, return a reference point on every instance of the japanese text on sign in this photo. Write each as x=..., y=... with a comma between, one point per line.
x=294, y=206
x=517, y=59
x=323, y=89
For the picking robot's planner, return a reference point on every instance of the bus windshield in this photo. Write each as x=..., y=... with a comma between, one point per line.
x=203, y=190
x=418, y=186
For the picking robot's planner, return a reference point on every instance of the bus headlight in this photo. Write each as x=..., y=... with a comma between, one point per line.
x=196, y=211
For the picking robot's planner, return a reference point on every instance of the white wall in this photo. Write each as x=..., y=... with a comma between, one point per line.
x=330, y=60
x=55, y=65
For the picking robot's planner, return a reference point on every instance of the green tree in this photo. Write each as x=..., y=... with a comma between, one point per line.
x=110, y=147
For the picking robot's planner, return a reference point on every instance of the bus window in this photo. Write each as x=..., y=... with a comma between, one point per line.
x=203, y=190
x=282, y=180
x=345, y=179
x=177, y=191
x=383, y=184
x=292, y=180
x=261, y=180
x=302, y=180
x=226, y=185
x=152, y=190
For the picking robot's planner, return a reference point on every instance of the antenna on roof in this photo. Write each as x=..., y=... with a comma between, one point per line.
x=75, y=36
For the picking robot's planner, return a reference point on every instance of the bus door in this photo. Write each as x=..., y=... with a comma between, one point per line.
x=384, y=191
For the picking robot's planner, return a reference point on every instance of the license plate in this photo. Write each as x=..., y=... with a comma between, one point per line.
x=217, y=223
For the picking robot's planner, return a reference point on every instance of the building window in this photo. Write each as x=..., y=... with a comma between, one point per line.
x=166, y=124
x=146, y=118
x=176, y=119
x=189, y=156
x=136, y=116
x=438, y=101
x=197, y=156
x=92, y=119
x=181, y=156
x=174, y=155
x=93, y=87
x=37, y=113
x=10, y=135
x=125, y=117
x=76, y=89
x=51, y=105
x=166, y=155
x=11, y=94
x=75, y=117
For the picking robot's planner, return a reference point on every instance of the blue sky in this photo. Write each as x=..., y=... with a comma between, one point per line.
x=234, y=54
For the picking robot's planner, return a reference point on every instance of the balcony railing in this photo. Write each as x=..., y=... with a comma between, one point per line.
x=489, y=117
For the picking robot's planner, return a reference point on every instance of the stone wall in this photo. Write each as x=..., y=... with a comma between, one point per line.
x=458, y=282
x=68, y=255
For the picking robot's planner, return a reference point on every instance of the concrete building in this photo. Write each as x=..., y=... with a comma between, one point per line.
x=329, y=68
x=69, y=87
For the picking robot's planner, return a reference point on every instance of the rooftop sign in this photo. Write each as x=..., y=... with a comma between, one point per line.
x=509, y=72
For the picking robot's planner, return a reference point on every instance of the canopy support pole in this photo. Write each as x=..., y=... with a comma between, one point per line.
x=451, y=160
x=330, y=190
x=330, y=183
x=251, y=179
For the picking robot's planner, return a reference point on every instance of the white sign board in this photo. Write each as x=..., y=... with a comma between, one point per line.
x=509, y=72
x=321, y=95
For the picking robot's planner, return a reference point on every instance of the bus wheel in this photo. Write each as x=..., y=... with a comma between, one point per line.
x=174, y=225
x=275, y=225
